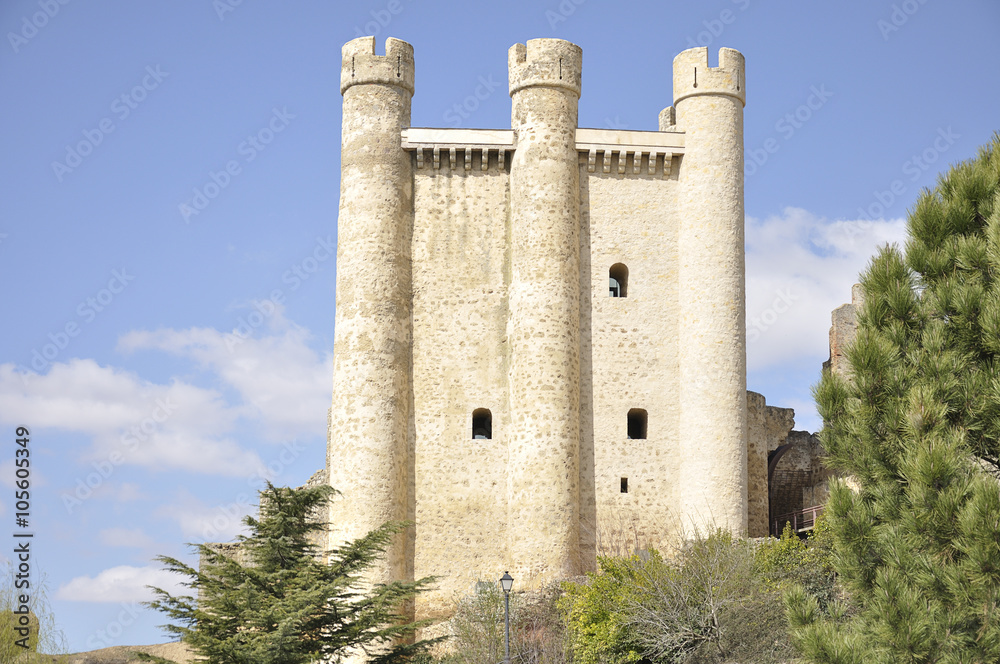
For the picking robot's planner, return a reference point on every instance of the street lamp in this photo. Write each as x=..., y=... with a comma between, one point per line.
x=506, y=582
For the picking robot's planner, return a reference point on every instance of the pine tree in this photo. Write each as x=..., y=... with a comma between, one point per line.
x=917, y=426
x=284, y=605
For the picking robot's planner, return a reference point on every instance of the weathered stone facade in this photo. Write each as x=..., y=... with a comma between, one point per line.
x=798, y=479
x=473, y=272
x=767, y=430
x=843, y=328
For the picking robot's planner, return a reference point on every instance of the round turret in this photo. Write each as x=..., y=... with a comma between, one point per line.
x=544, y=324
x=360, y=65
x=693, y=76
x=369, y=421
x=550, y=63
x=712, y=294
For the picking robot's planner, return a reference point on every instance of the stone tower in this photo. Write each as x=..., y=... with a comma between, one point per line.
x=711, y=281
x=539, y=342
x=543, y=451
x=370, y=417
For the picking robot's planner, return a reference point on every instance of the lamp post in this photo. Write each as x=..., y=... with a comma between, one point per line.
x=506, y=582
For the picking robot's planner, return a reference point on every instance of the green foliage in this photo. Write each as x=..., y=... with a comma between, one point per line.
x=792, y=561
x=478, y=625
x=43, y=636
x=284, y=606
x=537, y=632
x=598, y=632
x=716, y=599
x=917, y=425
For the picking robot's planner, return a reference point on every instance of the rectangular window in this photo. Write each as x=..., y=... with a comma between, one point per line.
x=636, y=424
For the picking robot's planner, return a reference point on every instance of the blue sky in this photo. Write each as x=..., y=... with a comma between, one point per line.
x=165, y=362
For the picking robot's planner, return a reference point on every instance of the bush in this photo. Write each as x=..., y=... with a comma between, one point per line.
x=43, y=634
x=537, y=632
x=716, y=599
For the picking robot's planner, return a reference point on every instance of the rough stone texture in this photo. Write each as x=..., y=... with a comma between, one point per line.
x=460, y=363
x=543, y=493
x=712, y=333
x=628, y=359
x=232, y=550
x=799, y=479
x=842, y=332
x=321, y=538
x=767, y=429
x=476, y=277
x=369, y=460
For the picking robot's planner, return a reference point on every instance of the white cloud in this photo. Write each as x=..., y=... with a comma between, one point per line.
x=282, y=381
x=200, y=523
x=129, y=492
x=799, y=268
x=121, y=584
x=158, y=426
x=125, y=537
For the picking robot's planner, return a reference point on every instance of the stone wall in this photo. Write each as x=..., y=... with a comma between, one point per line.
x=844, y=327
x=767, y=430
x=799, y=479
x=473, y=275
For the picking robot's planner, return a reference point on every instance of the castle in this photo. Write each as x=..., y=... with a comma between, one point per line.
x=541, y=328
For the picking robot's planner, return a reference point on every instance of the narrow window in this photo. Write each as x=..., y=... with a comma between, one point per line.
x=482, y=424
x=636, y=424
x=618, y=280
x=624, y=485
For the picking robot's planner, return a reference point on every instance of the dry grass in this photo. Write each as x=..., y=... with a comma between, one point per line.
x=177, y=652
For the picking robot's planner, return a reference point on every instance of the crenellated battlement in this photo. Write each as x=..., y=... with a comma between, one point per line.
x=693, y=76
x=553, y=63
x=567, y=300
x=361, y=65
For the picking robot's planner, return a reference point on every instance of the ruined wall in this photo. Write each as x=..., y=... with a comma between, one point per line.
x=767, y=429
x=800, y=479
x=844, y=327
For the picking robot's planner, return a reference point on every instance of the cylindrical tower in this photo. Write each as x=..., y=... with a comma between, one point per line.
x=369, y=426
x=544, y=323
x=709, y=105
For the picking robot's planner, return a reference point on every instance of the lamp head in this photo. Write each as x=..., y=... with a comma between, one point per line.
x=506, y=582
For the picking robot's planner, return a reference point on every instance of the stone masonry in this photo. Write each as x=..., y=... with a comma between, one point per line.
x=540, y=328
